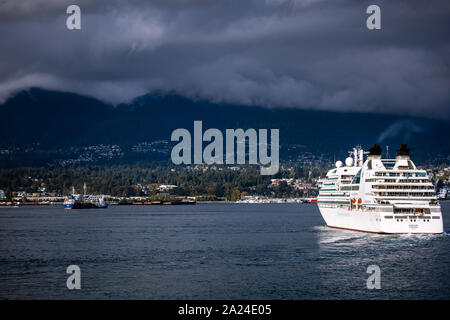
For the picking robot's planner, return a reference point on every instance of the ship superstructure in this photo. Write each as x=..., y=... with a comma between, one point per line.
x=379, y=195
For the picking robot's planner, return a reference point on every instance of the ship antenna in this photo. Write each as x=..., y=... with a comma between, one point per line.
x=84, y=188
x=387, y=152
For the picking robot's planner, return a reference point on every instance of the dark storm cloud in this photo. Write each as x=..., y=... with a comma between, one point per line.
x=306, y=53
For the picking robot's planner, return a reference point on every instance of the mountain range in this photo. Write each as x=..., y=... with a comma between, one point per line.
x=41, y=126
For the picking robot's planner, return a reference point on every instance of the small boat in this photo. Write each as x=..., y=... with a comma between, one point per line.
x=84, y=202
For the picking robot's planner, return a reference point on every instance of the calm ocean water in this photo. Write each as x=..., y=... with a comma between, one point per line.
x=212, y=251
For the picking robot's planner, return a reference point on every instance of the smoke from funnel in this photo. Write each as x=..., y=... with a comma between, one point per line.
x=402, y=128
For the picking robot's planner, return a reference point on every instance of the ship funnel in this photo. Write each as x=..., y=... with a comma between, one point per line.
x=402, y=160
x=375, y=152
x=403, y=152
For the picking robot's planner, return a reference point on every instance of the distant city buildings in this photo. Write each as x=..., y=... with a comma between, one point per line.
x=93, y=153
x=158, y=146
x=297, y=184
x=293, y=181
x=166, y=187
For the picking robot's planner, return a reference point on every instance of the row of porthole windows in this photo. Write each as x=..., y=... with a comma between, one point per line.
x=397, y=174
x=412, y=220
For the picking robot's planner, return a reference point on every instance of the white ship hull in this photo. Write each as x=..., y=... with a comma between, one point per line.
x=376, y=222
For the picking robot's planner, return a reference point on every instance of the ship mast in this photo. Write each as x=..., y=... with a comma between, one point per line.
x=358, y=156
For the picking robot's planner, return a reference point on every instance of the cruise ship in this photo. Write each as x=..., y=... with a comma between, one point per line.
x=390, y=196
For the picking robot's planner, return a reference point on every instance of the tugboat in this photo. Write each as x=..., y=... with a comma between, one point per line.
x=84, y=201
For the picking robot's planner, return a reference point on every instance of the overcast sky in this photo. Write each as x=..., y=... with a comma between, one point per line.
x=315, y=54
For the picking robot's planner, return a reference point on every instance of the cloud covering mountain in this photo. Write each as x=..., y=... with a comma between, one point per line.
x=314, y=54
